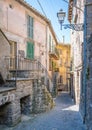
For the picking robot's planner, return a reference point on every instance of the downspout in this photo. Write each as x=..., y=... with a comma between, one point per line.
x=85, y=61
x=7, y=17
x=46, y=47
x=46, y=53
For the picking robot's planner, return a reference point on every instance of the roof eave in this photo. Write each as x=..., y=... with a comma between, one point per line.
x=70, y=10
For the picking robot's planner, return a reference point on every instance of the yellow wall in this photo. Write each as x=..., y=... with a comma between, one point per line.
x=64, y=61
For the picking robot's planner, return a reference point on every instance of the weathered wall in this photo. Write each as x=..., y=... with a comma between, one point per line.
x=14, y=24
x=11, y=102
x=76, y=49
x=29, y=96
x=4, y=51
x=42, y=100
x=88, y=64
x=64, y=63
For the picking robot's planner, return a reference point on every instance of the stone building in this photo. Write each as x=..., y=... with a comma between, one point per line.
x=64, y=66
x=86, y=90
x=4, y=51
x=75, y=16
x=25, y=76
x=30, y=34
x=85, y=94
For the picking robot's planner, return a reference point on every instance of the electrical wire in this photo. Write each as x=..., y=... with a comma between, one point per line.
x=65, y=1
x=41, y=7
x=52, y=7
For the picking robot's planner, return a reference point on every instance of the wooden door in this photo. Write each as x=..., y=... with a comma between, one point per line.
x=13, y=54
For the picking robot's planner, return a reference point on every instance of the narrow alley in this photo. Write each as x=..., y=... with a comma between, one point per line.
x=64, y=116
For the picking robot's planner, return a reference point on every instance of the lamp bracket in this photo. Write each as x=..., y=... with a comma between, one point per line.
x=76, y=27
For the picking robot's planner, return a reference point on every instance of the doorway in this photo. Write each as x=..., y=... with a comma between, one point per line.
x=13, y=55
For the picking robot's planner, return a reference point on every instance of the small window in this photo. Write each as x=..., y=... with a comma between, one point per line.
x=75, y=2
x=60, y=62
x=50, y=64
x=49, y=42
x=60, y=80
x=60, y=51
x=11, y=6
x=30, y=26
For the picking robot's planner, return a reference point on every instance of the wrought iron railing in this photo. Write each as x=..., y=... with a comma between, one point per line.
x=20, y=63
x=26, y=68
x=54, y=51
x=45, y=73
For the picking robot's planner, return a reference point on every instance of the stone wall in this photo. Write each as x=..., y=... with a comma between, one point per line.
x=6, y=111
x=89, y=84
x=86, y=97
x=29, y=96
x=4, y=51
x=16, y=102
x=42, y=100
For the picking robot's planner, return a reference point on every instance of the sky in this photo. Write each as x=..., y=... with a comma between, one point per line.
x=51, y=7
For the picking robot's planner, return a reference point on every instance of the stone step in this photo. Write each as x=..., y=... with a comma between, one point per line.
x=8, y=84
x=43, y=100
x=24, y=74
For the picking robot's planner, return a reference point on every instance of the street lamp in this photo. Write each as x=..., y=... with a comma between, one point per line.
x=81, y=27
x=61, y=16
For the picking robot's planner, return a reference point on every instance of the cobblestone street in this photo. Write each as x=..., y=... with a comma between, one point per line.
x=64, y=116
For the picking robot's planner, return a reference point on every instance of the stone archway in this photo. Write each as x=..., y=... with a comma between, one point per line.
x=25, y=104
x=5, y=114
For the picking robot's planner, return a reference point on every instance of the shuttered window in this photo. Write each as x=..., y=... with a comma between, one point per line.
x=30, y=50
x=30, y=26
x=49, y=43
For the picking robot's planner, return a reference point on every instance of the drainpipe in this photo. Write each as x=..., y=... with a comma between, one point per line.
x=46, y=47
x=46, y=53
x=85, y=61
x=7, y=17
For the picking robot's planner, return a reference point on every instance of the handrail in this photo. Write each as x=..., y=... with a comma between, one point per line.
x=54, y=50
x=46, y=72
x=17, y=65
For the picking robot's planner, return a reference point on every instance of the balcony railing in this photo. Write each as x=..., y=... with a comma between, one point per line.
x=25, y=68
x=54, y=53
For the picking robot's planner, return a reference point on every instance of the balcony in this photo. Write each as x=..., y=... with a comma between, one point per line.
x=56, y=69
x=53, y=53
x=22, y=68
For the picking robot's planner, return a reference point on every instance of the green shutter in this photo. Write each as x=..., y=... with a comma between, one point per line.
x=30, y=50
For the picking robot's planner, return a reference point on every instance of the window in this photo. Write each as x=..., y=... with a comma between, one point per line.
x=13, y=53
x=50, y=64
x=60, y=51
x=75, y=1
x=60, y=62
x=30, y=50
x=53, y=65
x=30, y=26
x=49, y=43
x=61, y=81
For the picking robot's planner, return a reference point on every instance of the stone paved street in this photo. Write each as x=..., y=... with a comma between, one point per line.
x=64, y=116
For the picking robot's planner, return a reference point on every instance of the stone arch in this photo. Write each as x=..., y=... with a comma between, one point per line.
x=5, y=114
x=25, y=104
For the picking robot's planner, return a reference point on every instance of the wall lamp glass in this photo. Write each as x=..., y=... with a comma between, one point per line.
x=61, y=17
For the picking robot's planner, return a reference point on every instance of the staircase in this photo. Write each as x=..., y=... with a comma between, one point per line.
x=32, y=69
x=42, y=100
x=54, y=78
x=26, y=68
